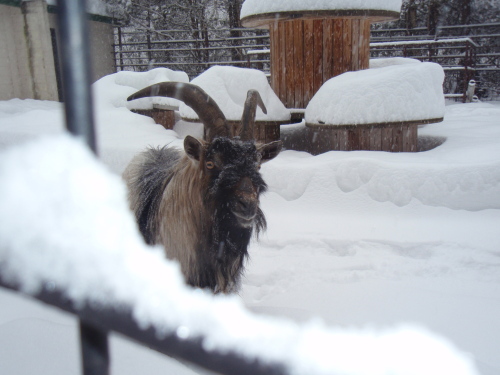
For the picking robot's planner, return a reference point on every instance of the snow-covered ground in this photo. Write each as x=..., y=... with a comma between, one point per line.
x=359, y=240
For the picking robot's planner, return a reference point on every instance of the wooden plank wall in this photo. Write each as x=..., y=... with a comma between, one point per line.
x=164, y=117
x=266, y=132
x=307, y=53
x=400, y=138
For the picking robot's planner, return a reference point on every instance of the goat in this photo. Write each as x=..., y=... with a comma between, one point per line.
x=202, y=205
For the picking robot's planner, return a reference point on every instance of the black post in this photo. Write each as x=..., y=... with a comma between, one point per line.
x=120, y=46
x=94, y=350
x=75, y=57
x=73, y=32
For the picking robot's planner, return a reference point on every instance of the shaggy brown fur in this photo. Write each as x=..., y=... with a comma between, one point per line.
x=202, y=205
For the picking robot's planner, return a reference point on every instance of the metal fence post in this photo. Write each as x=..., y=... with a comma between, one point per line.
x=94, y=350
x=75, y=56
x=120, y=47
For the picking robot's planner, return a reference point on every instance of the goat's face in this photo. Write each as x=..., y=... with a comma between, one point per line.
x=231, y=167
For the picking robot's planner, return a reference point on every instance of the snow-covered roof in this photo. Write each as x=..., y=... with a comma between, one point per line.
x=229, y=85
x=268, y=10
x=396, y=91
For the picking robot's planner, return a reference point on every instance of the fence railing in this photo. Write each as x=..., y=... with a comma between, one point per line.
x=473, y=56
x=192, y=51
x=486, y=38
x=457, y=57
x=96, y=322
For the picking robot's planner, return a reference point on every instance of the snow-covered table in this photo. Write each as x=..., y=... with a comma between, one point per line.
x=313, y=41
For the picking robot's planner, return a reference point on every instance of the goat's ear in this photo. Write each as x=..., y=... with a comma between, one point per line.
x=193, y=147
x=270, y=150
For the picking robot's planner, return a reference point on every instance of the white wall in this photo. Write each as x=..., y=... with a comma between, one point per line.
x=41, y=56
x=15, y=75
x=101, y=49
x=27, y=69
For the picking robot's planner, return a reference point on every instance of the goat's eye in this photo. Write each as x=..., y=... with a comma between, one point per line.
x=210, y=165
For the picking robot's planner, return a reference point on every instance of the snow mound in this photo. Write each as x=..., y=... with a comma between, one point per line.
x=82, y=239
x=229, y=85
x=456, y=185
x=253, y=7
x=129, y=82
x=394, y=93
x=119, y=132
x=22, y=106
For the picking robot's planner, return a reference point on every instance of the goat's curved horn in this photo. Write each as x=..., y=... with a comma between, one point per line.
x=249, y=111
x=205, y=107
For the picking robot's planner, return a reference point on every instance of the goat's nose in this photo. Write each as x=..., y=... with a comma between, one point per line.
x=245, y=204
x=245, y=210
x=246, y=186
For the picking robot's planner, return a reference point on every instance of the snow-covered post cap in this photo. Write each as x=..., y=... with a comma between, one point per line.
x=260, y=13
